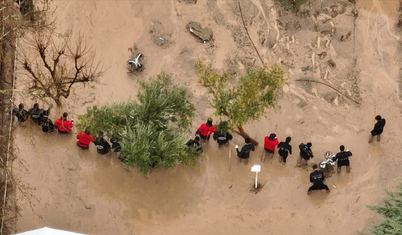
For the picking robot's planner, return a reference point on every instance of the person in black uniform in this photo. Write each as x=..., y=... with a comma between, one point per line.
x=45, y=123
x=102, y=146
x=305, y=154
x=244, y=154
x=21, y=113
x=195, y=143
x=378, y=129
x=115, y=144
x=221, y=138
x=343, y=159
x=317, y=178
x=35, y=112
x=285, y=149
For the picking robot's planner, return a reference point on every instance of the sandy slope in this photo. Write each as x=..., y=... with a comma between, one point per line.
x=84, y=192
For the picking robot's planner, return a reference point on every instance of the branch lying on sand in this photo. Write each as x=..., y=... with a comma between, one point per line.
x=248, y=35
x=328, y=85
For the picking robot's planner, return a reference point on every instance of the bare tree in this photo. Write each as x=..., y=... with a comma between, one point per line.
x=54, y=63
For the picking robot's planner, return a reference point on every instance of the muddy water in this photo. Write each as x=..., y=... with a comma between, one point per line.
x=82, y=191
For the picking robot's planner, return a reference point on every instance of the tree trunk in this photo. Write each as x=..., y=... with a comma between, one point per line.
x=243, y=134
x=57, y=100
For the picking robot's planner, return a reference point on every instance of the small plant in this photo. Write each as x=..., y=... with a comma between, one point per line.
x=391, y=223
x=291, y=5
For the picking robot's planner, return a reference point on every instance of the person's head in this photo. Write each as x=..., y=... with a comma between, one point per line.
x=315, y=167
x=36, y=105
x=247, y=140
x=87, y=132
x=272, y=136
x=209, y=122
x=45, y=112
x=20, y=106
x=309, y=145
x=41, y=114
x=378, y=117
x=197, y=139
x=342, y=148
x=288, y=139
x=64, y=117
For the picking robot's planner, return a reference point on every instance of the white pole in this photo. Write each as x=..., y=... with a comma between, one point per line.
x=256, y=176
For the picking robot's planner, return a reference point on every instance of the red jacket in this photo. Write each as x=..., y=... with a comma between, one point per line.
x=204, y=130
x=63, y=125
x=84, y=140
x=268, y=144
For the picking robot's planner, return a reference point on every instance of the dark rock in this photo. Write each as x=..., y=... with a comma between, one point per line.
x=202, y=33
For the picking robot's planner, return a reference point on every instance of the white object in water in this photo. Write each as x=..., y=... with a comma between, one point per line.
x=256, y=169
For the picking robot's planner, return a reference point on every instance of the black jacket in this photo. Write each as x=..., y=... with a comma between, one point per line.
x=46, y=124
x=245, y=151
x=305, y=152
x=342, y=156
x=115, y=144
x=284, y=149
x=21, y=114
x=35, y=114
x=378, y=127
x=102, y=146
x=317, y=177
x=222, y=138
x=194, y=144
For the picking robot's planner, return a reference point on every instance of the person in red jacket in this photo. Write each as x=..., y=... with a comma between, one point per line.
x=206, y=129
x=63, y=125
x=269, y=146
x=84, y=139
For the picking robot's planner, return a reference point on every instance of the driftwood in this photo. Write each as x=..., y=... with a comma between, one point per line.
x=248, y=35
x=328, y=85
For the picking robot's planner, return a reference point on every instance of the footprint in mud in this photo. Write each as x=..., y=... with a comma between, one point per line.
x=331, y=64
x=345, y=37
x=322, y=55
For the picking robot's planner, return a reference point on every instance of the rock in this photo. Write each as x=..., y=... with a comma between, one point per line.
x=332, y=64
x=189, y=1
x=202, y=33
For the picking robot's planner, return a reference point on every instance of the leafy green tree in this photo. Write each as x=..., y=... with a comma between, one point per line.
x=152, y=130
x=245, y=100
x=392, y=211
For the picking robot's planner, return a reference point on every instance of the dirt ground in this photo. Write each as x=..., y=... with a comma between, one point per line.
x=349, y=53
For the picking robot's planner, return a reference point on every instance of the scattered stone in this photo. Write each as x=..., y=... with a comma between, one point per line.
x=307, y=68
x=345, y=37
x=189, y=1
x=322, y=55
x=202, y=33
x=331, y=64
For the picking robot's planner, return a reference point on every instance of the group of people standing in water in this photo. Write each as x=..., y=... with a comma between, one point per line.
x=64, y=126
x=285, y=150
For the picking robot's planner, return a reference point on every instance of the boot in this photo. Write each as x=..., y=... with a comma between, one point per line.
x=371, y=138
x=379, y=137
x=338, y=170
x=347, y=169
x=299, y=160
x=304, y=163
x=263, y=156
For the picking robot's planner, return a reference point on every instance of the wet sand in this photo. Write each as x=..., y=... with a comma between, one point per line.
x=84, y=192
